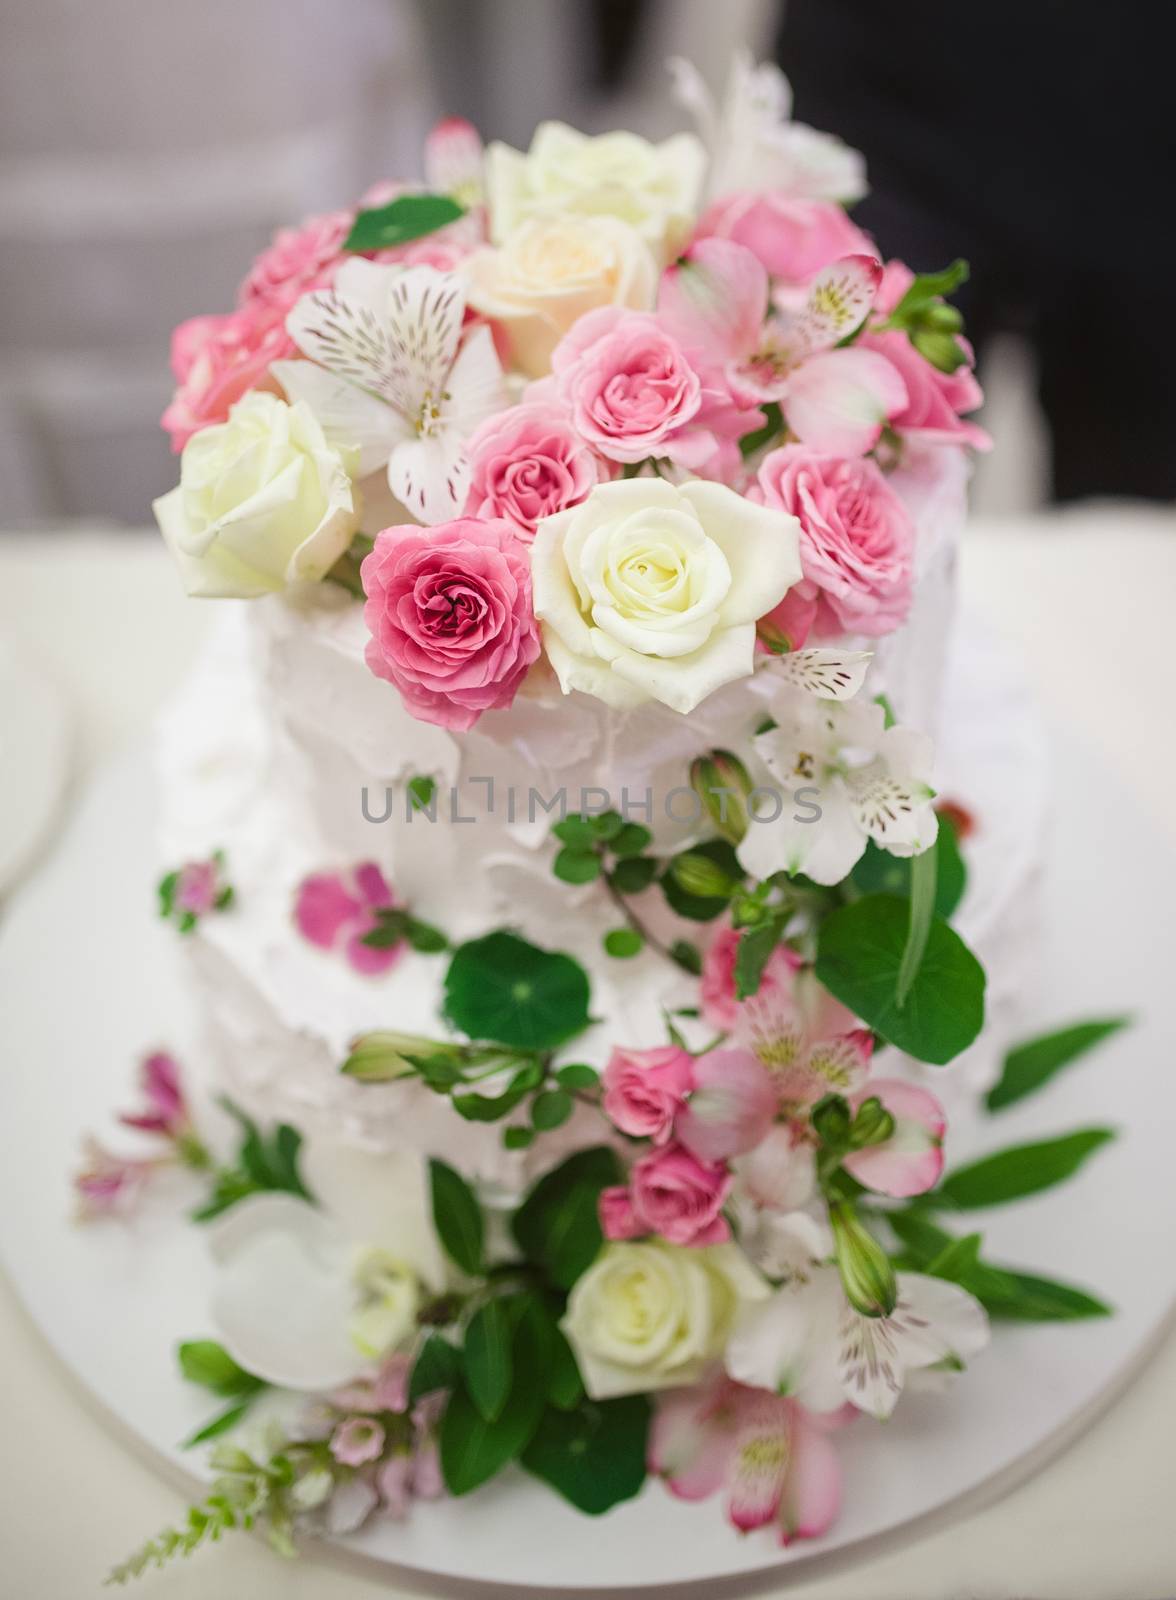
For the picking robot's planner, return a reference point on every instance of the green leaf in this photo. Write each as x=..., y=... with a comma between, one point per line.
x=474, y=1449
x=878, y=872
x=457, y=1216
x=577, y=1075
x=557, y=1227
x=633, y=874
x=565, y=1387
x=1020, y=1170
x=687, y=956
x=502, y=988
x=167, y=893
x=410, y=216
x=1034, y=1063
x=607, y=825
x=630, y=840
x=518, y=1138
x=424, y=938
x=859, y=955
x=209, y=1364
x=421, y=791
x=551, y=1109
x=437, y=1367
x=703, y=908
x=752, y=955
x=927, y=287
x=576, y=831
x=922, y=910
x=486, y=1357
x=623, y=943
x=223, y=1422
x=489, y=1108
x=1030, y=1298
x=773, y=424
x=595, y=1455
x=573, y=865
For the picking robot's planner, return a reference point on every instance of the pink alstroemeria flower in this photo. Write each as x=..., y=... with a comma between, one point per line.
x=773, y=1458
x=716, y=302
x=108, y=1185
x=911, y=1160
x=166, y=1110
x=334, y=910
x=730, y=1108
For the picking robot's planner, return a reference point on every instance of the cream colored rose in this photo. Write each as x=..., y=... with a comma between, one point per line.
x=263, y=501
x=651, y=591
x=550, y=271
x=654, y=187
x=653, y=1315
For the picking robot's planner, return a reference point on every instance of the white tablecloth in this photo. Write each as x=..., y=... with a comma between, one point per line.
x=1089, y=599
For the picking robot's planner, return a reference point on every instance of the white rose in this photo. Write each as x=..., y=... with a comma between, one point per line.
x=654, y=1315
x=654, y=187
x=263, y=501
x=550, y=271
x=651, y=591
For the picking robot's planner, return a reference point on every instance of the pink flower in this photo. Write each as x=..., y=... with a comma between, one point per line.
x=679, y=1197
x=356, y=1441
x=449, y=611
x=298, y=260
x=335, y=910
x=108, y=1184
x=216, y=359
x=773, y=1458
x=857, y=542
x=911, y=1160
x=196, y=888
x=936, y=401
x=644, y=1090
x=527, y=463
x=618, y=1219
x=730, y=1108
x=717, y=985
x=166, y=1111
x=455, y=161
x=793, y=238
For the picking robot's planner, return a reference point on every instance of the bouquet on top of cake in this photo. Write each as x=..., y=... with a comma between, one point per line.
x=598, y=1129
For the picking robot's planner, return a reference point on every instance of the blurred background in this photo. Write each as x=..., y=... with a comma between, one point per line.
x=147, y=151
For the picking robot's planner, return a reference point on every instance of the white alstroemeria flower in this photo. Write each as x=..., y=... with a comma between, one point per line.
x=308, y=1296
x=868, y=781
x=391, y=373
x=754, y=144
x=807, y=1341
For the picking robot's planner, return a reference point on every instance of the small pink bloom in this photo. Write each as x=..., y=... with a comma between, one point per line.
x=644, y=1090
x=618, y=1219
x=454, y=161
x=679, y=1197
x=450, y=616
x=793, y=238
x=297, y=261
x=936, y=402
x=527, y=463
x=216, y=359
x=838, y=400
x=197, y=887
x=391, y=1384
x=166, y=1111
x=731, y=1107
x=394, y=1482
x=911, y=1160
x=356, y=1441
x=108, y=1184
x=335, y=910
x=857, y=541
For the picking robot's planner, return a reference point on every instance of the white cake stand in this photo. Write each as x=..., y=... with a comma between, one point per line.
x=87, y=983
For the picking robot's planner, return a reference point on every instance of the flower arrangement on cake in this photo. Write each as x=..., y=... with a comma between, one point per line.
x=632, y=449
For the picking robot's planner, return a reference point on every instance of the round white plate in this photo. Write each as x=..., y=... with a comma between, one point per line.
x=87, y=983
x=34, y=761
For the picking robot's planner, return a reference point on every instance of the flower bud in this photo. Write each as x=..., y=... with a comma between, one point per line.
x=872, y=1125
x=698, y=874
x=866, y=1273
x=721, y=782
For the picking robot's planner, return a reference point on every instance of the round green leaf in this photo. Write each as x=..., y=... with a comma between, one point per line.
x=630, y=840
x=623, y=943
x=595, y=1455
x=577, y=1075
x=517, y=1138
x=633, y=874
x=551, y=1109
x=503, y=989
x=573, y=865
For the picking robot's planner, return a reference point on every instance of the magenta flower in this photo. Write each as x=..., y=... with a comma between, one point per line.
x=336, y=910
x=108, y=1185
x=357, y=1440
x=166, y=1110
x=190, y=892
x=773, y=1458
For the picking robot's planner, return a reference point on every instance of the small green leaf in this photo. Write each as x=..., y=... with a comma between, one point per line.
x=408, y=217
x=773, y=424
x=572, y=865
x=421, y=791
x=517, y=1138
x=607, y=825
x=457, y=1216
x=473, y=1449
x=489, y=1108
x=595, y=1455
x=504, y=989
x=1020, y=1170
x=630, y=840
x=859, y=957
x=209, y=1364
x=223, y=1422
x=687, y=956
x=634, y=874
x=438, y=1366
x=486, y=1357
x=575, y=831
x=167, y=893
x=752, y=955
x=1034, y=1063
x=551, y=1109
x=557, y=1226
x=565, y=1387
x=577, y=1075
x=1030, y=1298
x=424, y=938
x=623, y=943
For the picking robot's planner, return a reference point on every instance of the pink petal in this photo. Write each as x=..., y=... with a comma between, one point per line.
x=618, y=1220
x=838, y=300
x=812, y=1494
x=324, y=907
x=731, y=1108
x=837, y=401
x=911, y=1160
x=372, y=885
x=366, y=958
x=690, y=1439
x=453, y=158
x=761, y=1460
x=714, y=300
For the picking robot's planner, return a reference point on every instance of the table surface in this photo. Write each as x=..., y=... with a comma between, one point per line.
x=1086, y=596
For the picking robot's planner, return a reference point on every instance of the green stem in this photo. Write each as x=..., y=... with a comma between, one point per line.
x=924, y=872
x=635, y=922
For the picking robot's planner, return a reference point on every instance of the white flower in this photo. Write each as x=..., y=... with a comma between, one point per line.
x=549, y=271
x=807, y=1341
x=654, y=1315
x=307, y=1296
x=263, y=501
x=654, y=187
x=868, y=781
x=396, y=378
x=651, y=591
x=754, y=144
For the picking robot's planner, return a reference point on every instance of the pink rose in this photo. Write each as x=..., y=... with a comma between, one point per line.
x=297, y=261
x=217, y=359
x=450, y=616
x=527, y=463
x=731, y=1107
x=644, y=1090
x=857, y=540
x=936, y=401
x=793, y=238
x=679, y=1197
x=618, y=1220
x=629, y=389
x=720, y=1008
